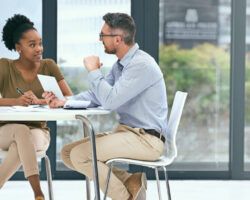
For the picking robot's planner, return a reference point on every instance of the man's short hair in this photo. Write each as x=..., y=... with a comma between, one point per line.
x=123, y=22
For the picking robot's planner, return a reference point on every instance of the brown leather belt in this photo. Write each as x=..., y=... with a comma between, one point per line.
x=156, y=134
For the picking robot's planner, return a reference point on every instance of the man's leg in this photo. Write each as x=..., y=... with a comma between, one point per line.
x=66, y=150
x=65, y=153
x=81, y=159
x=122, y=174
x=125, y=144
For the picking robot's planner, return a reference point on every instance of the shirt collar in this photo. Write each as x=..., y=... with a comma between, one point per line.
x=128, y=56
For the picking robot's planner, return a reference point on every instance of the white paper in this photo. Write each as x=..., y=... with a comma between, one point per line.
x=30, y=108
x=50, y=84
x=5, y=108
x=75, y=104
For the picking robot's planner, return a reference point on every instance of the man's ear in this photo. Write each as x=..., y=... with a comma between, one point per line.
x=118, y=39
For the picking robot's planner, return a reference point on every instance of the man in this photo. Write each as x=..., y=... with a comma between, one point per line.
x=135, y=89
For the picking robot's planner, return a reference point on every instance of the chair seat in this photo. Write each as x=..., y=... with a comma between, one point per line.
x=162, y=161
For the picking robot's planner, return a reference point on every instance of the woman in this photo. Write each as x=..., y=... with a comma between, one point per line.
x=23, y=139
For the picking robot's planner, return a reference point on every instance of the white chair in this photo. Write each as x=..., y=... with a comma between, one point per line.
x=39, y=155
x=170, y=146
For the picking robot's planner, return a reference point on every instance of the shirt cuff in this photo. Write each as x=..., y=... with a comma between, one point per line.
x=70, y=97
x=68, y=103
x=76, y=104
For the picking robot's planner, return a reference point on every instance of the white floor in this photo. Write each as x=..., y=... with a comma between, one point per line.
x=181, y=190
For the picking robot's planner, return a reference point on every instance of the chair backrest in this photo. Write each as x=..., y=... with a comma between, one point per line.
x=173, y=123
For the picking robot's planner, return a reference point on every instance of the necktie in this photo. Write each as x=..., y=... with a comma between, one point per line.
x=120, y=66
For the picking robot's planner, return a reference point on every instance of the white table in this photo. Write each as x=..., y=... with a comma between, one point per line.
x=44, y=114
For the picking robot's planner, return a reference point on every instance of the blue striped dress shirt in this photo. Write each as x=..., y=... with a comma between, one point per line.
x=134, y=88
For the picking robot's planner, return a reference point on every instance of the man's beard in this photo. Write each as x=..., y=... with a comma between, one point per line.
x=109, y=51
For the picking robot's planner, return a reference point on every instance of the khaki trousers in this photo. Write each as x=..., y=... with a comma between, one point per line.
x=125, y=142
x=22, y=144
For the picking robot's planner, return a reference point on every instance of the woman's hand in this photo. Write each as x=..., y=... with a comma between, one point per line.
x=23, y=100
x=34, y=98
x=52, y=100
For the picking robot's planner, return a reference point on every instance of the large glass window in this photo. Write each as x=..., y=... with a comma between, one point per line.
x=247, y=92
x=194, y=57
x=79, y=24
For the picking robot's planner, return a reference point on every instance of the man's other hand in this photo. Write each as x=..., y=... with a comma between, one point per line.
x=92, y=63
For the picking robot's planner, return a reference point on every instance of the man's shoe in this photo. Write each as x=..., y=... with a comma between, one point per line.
x=136, y=185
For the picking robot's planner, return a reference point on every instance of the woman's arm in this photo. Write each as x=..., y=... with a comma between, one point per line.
x=23, y=100
x=55, y=71
x=8, y=101
x=65, y=88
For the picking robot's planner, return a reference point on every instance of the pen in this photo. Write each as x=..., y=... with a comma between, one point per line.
x=19, y=91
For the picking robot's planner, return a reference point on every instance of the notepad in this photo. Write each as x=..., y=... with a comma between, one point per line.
x=50, y=84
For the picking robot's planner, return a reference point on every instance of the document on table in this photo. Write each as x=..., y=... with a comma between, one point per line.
x=50, y=84
x=30, y=108
x=5, y=108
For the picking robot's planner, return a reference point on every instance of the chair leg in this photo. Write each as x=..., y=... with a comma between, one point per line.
x=49, y=177
x=167, y=183
x=158, y=183
x=107, y=181
x=88, y=192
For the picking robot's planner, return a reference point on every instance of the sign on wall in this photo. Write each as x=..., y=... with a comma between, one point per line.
x=188, y=22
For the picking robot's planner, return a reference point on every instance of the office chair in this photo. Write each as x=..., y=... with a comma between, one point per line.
x=39, y=155
x=170, y=147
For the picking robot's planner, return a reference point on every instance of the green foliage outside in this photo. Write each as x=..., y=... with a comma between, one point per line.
x=203, y=72
x=76, y=77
